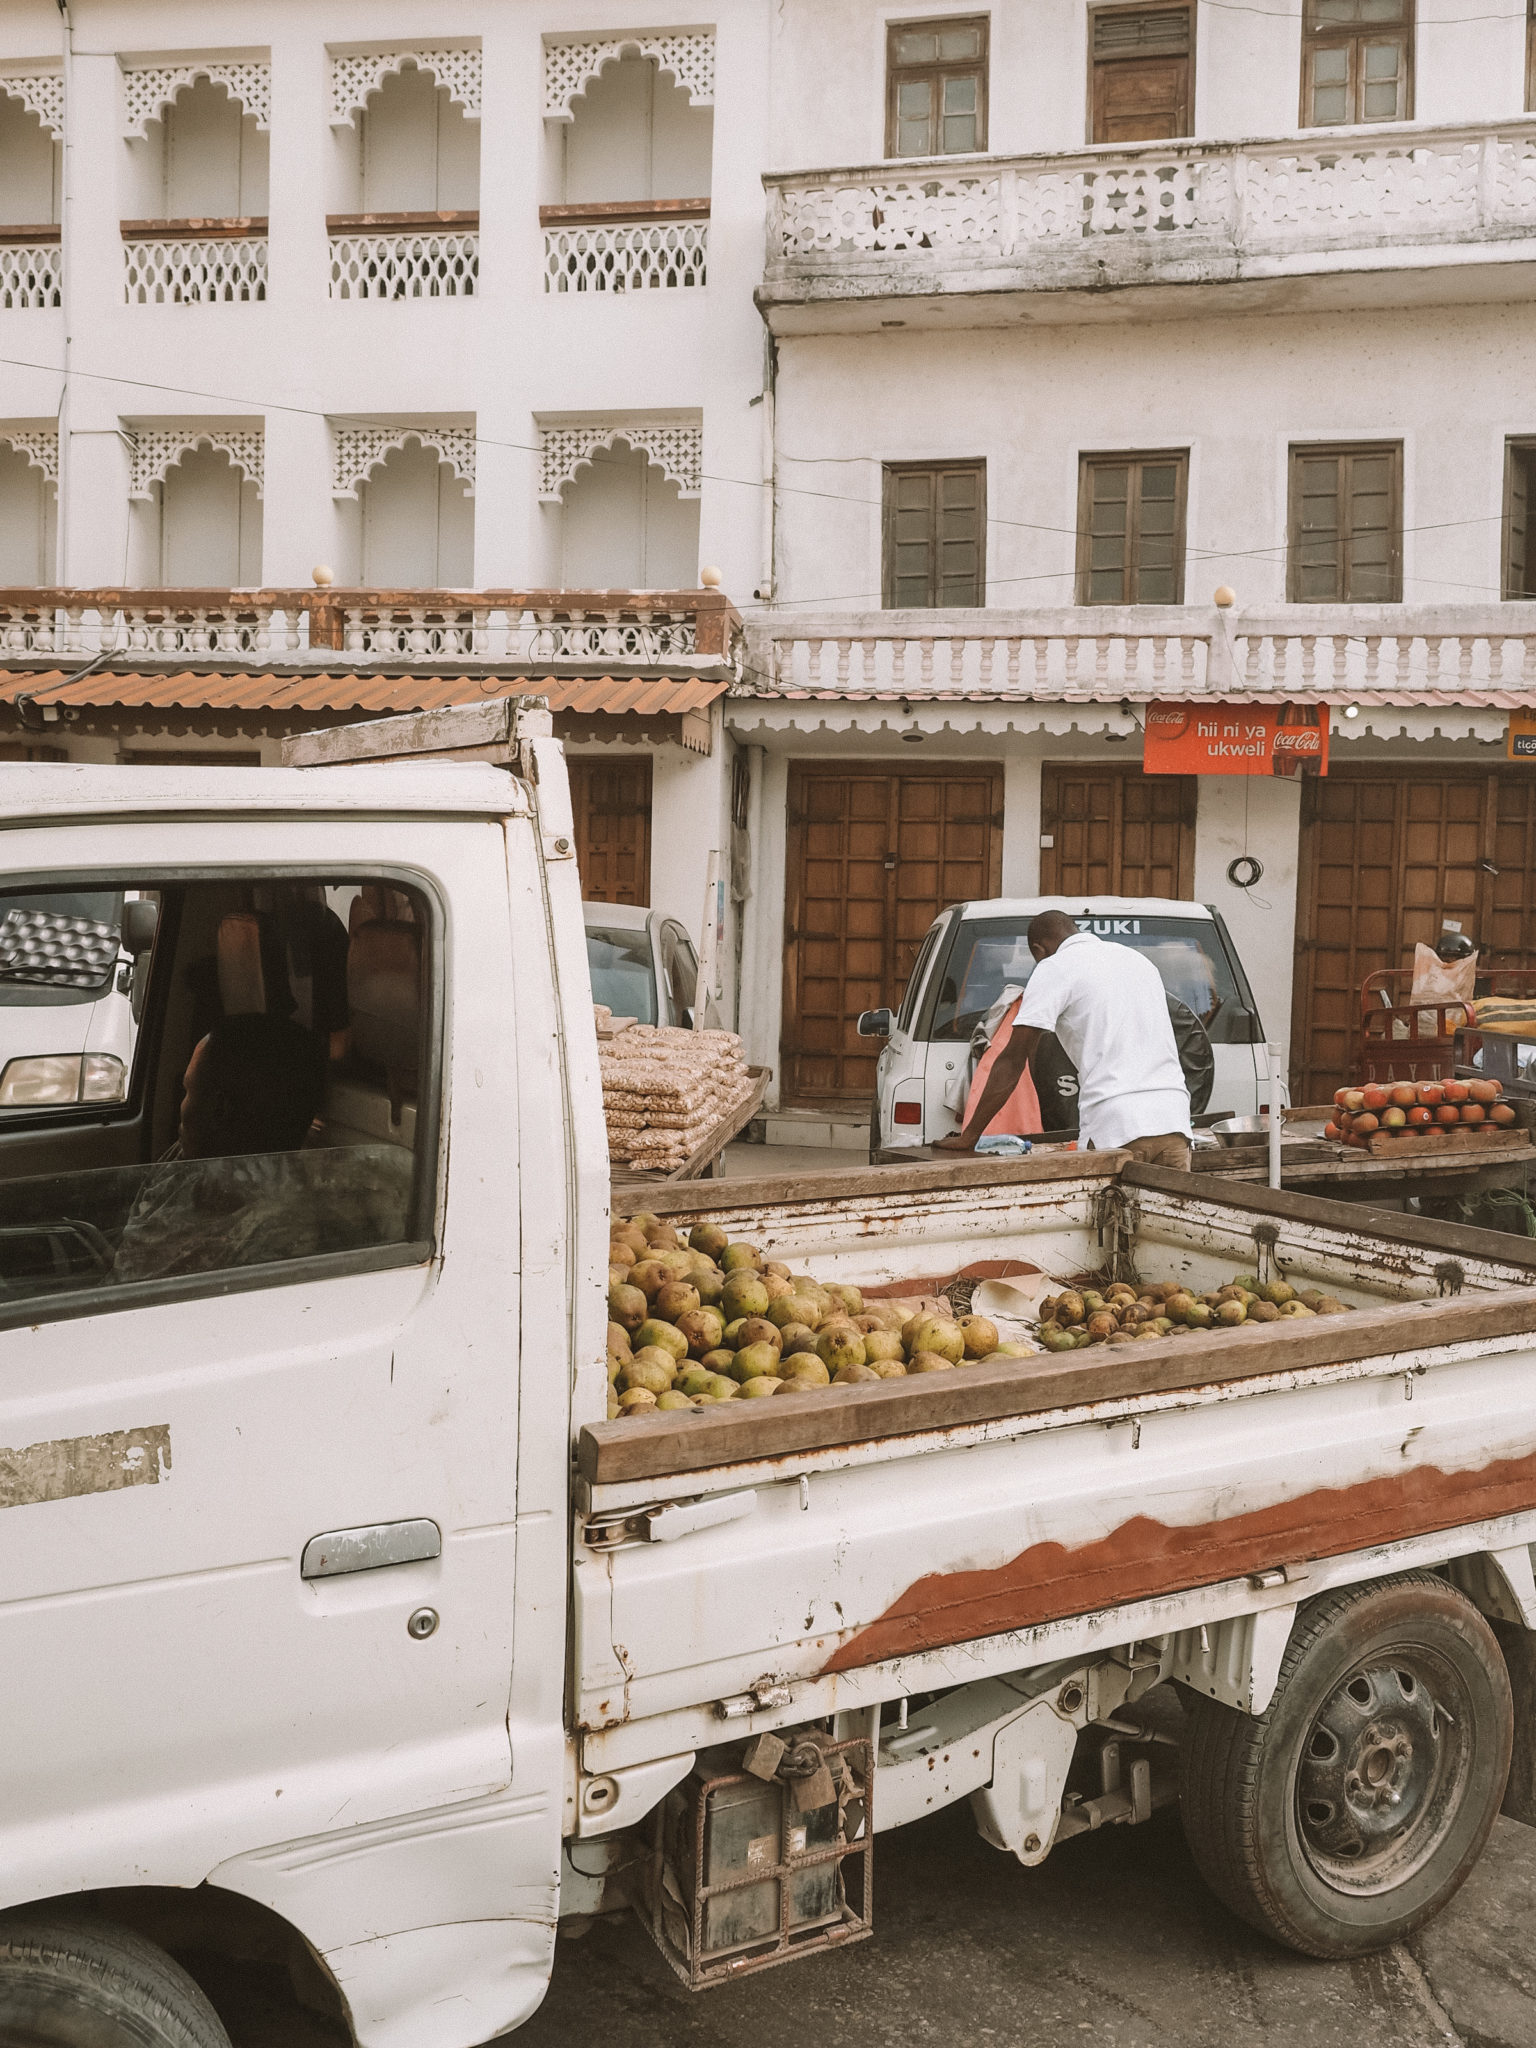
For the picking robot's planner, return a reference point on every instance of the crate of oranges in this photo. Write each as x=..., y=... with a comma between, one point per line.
x=1423, y=1116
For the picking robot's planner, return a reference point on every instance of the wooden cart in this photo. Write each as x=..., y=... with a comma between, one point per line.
x=704, y=1162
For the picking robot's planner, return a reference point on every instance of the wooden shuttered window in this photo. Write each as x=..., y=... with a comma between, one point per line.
x=1520, y=519
x=1356, y=62
x=1346, y=525
x=1130, y=529
x=1142, y=84
x=936, y=87
x=935, y=520
x=611, y=809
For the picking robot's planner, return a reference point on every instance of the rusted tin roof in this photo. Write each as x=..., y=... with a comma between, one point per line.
x=374, y=695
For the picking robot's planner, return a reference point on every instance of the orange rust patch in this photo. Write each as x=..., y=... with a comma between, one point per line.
x=1142, y=1558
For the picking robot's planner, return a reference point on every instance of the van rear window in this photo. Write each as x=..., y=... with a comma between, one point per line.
x=989, y=954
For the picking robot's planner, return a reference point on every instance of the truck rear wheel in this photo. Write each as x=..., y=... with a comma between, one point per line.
x=1353, y=1808
x=80, y=1983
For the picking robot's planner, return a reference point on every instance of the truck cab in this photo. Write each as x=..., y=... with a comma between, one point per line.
x=974, y=950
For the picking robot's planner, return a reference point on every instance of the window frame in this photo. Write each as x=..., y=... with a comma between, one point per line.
x=1099, y=7
x=889, y=472
x=1087, y=462
x=1530, y=57
x=1516, y=446
x=1337, y=35
x=1300, y=451
x=426, y=1181
x=894, y=72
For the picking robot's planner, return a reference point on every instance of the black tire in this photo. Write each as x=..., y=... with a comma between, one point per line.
x=1353, y=1808
x=82, y=1983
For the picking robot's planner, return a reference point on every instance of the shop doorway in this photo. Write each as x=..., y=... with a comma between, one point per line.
x=1116, y=832
x=611, y=804
x=1386, y=858
x=873, y=855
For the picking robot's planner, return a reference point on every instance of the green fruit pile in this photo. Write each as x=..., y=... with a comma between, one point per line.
x=1128, y=1315
x=706, y=1321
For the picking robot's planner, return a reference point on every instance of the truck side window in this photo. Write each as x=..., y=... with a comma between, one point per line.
x=203, y=1078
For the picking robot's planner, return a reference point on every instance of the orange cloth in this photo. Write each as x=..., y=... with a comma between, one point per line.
x=1020, y=1114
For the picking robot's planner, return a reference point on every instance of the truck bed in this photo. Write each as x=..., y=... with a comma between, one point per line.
x=836, y=1552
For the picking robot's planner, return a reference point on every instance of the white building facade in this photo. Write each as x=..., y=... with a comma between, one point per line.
x=974, y=350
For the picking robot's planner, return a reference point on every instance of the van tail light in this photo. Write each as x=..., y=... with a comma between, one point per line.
x=907, y=1113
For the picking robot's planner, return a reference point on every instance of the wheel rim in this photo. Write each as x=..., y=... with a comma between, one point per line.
x=1383, y=1771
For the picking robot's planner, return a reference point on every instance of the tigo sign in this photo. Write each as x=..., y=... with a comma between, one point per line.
x=1520, y=736
x=1236, y=739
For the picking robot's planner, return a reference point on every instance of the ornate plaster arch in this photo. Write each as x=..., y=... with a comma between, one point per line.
x=687, y=56
x=360, y=450
x=157, y=450
x=41, y=92
x=356, y=74
x=40, y=445
x=675, y=447
x=148, y=89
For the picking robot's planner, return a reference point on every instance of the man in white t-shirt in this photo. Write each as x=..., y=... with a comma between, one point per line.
x=1108, y=1006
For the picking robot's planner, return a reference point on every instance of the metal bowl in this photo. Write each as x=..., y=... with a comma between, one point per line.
x=1241, y=1130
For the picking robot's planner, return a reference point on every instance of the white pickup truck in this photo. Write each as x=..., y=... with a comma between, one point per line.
x=344, y=1638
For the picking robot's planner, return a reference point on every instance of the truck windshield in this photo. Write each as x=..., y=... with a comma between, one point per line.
x=52, y=961
x=623, y=974
x=989, y=953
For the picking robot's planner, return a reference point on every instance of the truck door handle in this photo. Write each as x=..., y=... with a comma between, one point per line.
x=366, y=1549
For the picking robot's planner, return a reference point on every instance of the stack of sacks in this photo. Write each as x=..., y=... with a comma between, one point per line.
x=665, y=1090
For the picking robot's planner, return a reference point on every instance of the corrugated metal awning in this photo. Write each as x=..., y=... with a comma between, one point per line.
x=371, y=695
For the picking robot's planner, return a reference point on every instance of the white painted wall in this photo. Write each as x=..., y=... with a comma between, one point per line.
x=829, y=67
x=416, y=524
x=29, y=186
x=28, y=520
x=413, y=151
x=635, y=136
x=201, y=530
x=625, y=526
x=1235, y=392
x=1257, y=815
x=204, y=158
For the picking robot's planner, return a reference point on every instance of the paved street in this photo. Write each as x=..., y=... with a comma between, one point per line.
x=1114, y=1943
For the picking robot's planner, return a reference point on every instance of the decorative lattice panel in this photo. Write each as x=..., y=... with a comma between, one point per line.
x=148, y=89
x=40, y=445
x=677, y=451
x=158, y=449
x=31, y=277
x=360, y=449
x=625, y=256
x=405, y=264
x=42, y=92
x=178, y=273
x=355, y=75
x=687, y=55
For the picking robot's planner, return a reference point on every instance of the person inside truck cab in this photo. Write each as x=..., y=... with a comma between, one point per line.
x=230, y=1194
x=1108, y=1007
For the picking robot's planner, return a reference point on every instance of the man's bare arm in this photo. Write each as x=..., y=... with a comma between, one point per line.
x=1007, y=1072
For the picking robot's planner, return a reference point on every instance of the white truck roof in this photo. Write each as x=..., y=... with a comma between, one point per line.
x=53, y=791
x=1079, y=906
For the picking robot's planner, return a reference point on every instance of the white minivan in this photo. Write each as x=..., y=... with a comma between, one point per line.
x=974, y=950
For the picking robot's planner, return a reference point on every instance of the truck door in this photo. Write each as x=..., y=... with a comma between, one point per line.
x=258, y=1401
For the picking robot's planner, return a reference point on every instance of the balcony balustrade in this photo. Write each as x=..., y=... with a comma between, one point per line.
x=1158, y=213
x=626, y=246
x=31, y=269
x=1409, y=654
x=404, y=255
x=375, y=628
x=194, y=262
